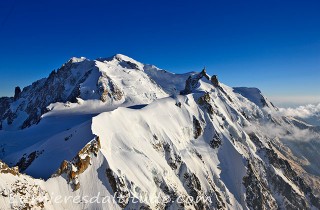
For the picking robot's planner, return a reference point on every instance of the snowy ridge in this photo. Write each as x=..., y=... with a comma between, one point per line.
x=131, y=137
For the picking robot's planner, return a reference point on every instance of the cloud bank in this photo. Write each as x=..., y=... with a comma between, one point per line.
x=306, y=111
x=310, y=114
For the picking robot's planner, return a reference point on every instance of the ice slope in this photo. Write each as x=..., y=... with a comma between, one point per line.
x=154, y=145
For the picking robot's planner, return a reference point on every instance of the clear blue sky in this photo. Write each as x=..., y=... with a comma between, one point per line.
x=270, y=44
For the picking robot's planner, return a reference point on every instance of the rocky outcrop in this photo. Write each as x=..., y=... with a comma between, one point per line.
x=27, y=160
x=4, y=106
x=108, y=89
x=273, y=184
x=119, y=187
x=258, y=196
x=204, y=101
x=216, y=141
x=4, y=169
x=194, y=189
x=173, y=159
x=290, y=195
x=197, y=129
x=215, y=81
x=264, y=180
x=79, y=164
x=24, y=195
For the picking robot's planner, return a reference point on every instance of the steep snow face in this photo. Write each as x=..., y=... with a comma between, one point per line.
x=254, y=95
x=169, y=82
x=129, y=138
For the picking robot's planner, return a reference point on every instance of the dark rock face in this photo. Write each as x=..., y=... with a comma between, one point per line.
x=216, y=141
x=4, y=108
x=255, y=139
x=214, y=80
x=63, y=85
x=169, y=192
x=132, y=65
x=293, y=199
x=204, y=101
x=178, y=104
x=33, y=118
x=262, y=183
x=10, y=117
x=266, y=188
x=193, y=186
x=27, y=160
x=17, y=92
x=197, y=129
x=119, y=187
x=36, y=97
x=4, y=105
x=173, y=159
x=258, y=196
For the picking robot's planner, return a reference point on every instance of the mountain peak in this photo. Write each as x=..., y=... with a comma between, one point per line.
x=123, y=61
x=76, y=59
x=123, y=57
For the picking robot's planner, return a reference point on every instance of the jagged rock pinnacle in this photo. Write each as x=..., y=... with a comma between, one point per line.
x=192, y=81
x=17, y=92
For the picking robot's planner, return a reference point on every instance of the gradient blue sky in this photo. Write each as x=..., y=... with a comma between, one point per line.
x=270, y=44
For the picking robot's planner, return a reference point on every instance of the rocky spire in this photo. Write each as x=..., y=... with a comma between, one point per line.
x=204, y=73
x=17, y=92
x=192, y=81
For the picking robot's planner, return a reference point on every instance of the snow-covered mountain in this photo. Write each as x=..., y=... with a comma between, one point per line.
x=113, y=133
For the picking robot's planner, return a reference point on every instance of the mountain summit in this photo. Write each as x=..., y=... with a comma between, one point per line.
x=139, y=137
